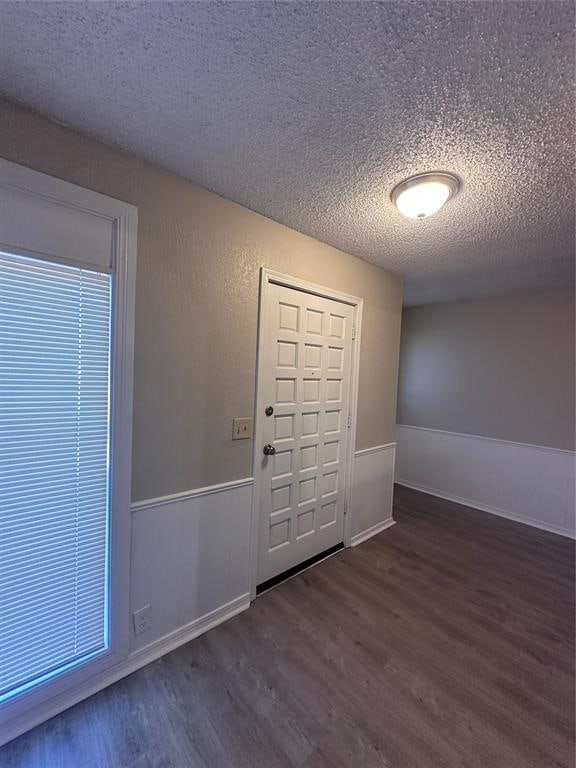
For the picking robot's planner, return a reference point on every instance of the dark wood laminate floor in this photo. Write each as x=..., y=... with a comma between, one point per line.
x=446, y=641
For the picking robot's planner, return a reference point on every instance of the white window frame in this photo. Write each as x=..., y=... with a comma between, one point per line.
x=47, y=218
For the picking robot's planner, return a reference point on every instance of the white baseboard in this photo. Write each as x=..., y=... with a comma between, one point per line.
x=375, y=529
x=135, y=661
x=183, y=635
x=528, y=484
x=484, y=508
x=372, y=492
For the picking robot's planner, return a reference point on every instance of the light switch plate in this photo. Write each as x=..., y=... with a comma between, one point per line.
x=241, y=429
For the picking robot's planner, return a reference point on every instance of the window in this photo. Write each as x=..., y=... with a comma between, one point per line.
x=67, y=278
x=54, y=446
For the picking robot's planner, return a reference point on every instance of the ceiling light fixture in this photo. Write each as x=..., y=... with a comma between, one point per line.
x=420, y=196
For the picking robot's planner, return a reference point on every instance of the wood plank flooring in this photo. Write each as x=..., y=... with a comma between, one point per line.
x=446, y=641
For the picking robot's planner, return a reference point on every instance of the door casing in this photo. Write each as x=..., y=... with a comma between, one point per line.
x=267, y=278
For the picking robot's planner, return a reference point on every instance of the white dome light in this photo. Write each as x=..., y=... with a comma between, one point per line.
x=420, y=196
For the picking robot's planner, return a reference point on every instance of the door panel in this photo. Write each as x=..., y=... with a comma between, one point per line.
x=306, y=360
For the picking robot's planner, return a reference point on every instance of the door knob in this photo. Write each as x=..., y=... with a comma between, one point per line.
x=269, y=450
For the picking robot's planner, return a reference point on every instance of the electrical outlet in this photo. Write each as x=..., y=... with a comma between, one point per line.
x=142, y=620
x=241, y=429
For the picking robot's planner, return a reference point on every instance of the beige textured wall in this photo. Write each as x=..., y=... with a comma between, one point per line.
x=500, y=367
x=196, y=307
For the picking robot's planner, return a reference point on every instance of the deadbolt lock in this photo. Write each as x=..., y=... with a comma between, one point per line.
x=269, y=411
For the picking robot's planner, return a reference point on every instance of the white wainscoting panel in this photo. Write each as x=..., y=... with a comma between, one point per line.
x=190, y=555
x=372, y=491
x=190, y=563
x=527, y=483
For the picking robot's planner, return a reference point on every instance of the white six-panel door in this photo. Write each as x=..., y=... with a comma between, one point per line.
x=305, y=380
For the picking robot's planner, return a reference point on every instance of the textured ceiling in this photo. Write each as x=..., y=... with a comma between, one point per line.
x=310, y=112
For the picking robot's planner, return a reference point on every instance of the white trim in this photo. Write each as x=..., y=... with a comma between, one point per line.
x=373, y=531
x=375, y=449
x=490, y=439
x=113, y=226
x=47, y=234
x=135, y=661
x=268, y=276
x=485, y=508
x=356, y=343
x=24, y=179
x=173, y=498
x=122, y=398
x=188, y=632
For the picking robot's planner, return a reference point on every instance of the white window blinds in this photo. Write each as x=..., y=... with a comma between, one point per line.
x=54, y=468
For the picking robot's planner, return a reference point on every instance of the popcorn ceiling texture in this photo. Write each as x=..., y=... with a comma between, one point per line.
x=311, y=112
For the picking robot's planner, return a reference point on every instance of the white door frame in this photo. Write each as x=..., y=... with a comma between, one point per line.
x=268, y=277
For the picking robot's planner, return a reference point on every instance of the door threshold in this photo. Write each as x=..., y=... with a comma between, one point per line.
x=295, y=570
